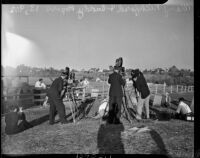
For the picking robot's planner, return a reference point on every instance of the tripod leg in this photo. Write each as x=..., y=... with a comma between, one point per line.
x=126, y=111
x=70, y=103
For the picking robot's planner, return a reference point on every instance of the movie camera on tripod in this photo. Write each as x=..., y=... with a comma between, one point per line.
x=118, y=64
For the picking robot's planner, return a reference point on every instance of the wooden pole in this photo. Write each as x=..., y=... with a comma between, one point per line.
x=156, y=88
x=103, y=83
x=171, y=89
x=164, y=85
x=177, y=88
x=83, y=95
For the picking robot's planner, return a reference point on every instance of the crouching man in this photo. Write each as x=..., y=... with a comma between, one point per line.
x=182, y=110
x=16, y=121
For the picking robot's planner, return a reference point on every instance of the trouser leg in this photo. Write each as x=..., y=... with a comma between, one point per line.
x=111, y=102
x=52, y=111
x=60, y=107
x=23, y=126
x=147, y=106
x=119, y=103
x=111, y=109
x=139, y=107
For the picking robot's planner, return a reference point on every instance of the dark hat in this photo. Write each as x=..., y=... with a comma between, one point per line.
x=181, y=99
x=135, y=73
x=64, y=73
x=116, y=68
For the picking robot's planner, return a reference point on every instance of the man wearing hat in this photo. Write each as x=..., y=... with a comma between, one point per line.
x=55, y=99
x=116, y=93
x=143, y=93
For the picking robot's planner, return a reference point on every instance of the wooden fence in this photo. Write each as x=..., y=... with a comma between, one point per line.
x=103, y=88
x=31, y=98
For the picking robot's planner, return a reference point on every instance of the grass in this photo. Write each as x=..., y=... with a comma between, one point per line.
x=174, y=138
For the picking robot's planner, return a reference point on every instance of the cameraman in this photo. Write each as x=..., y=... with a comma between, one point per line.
x=115, y=93
x=55, y=99
x=143, y=93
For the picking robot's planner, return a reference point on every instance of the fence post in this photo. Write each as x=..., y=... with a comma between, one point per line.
x=185, y=88
x=103, y=83
x=171, y=88
x=177, y=89
x=83, y=94
x=164, y=85
x=156, y=88
x=182, y=89
x=6, y=98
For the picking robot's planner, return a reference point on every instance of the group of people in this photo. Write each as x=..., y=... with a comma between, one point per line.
x=117, y=92
x=117, y=83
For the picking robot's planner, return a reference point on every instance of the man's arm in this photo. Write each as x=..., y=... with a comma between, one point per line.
x=109, y=80
x=178, y=109
x=122, y=81
x=60, y=85
x=44, y=86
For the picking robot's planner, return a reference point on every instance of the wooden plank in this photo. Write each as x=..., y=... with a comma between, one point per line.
x=39, y=100
x=41, y=94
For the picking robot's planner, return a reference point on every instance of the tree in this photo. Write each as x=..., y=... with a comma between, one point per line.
x=173, y=71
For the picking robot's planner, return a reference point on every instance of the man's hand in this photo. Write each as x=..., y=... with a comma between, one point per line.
x=62, y=93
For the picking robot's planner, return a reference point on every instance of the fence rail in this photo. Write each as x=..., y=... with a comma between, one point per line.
x=102, y=90
x=154, y=89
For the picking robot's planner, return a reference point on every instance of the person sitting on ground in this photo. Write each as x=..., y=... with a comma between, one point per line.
x=16, y=121
x=40, y=84
x=182, y=110
x=103, y=109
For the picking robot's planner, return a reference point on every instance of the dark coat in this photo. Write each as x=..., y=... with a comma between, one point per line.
x=56, y=88
x=116, y=82
x=12, y=119
x=141, y=86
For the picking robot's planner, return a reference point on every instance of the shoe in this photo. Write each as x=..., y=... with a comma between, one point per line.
x=138, y=118
x=117, y=122
x=64, y=122
x=51, y=123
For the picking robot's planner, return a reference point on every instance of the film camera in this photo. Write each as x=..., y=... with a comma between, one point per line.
x=118, y=64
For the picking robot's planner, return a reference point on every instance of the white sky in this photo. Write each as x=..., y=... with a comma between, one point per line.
x=159, y=38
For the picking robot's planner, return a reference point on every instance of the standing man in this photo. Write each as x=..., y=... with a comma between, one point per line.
x=143, y=93
x=55, y=99
x=115, y=93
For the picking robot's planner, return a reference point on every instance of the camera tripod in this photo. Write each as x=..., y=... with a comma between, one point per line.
x=125, y=106
x=70, y=98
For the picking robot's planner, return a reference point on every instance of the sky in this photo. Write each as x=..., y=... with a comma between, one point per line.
x=83, y=37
